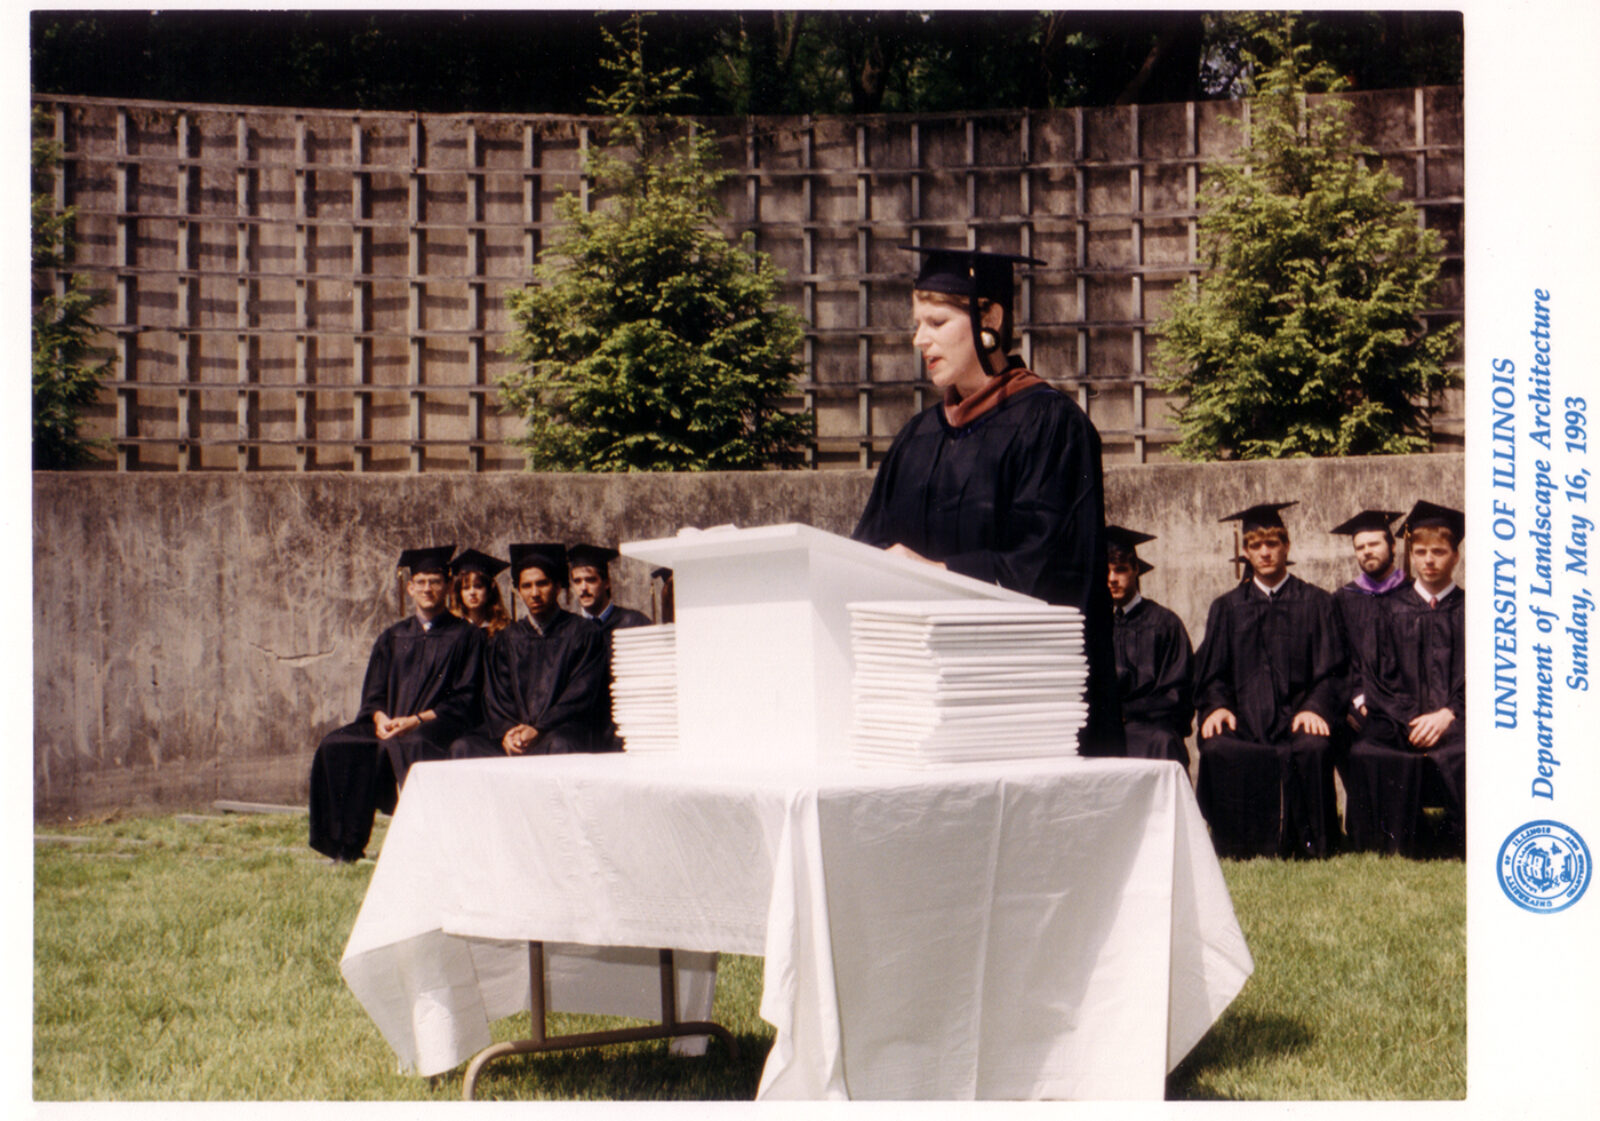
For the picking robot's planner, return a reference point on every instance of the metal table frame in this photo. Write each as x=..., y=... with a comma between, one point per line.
x=539, y=1042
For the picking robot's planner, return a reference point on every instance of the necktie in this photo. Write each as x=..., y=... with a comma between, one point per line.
x=1433, y=601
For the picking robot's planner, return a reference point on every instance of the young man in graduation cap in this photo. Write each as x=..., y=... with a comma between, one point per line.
x=1362, y=601
x=547, y=689
x=1155, y=662
x=1001, y=479
x=421, y=690
x=1413, y=748
x=1269, y=684
x=591, y=588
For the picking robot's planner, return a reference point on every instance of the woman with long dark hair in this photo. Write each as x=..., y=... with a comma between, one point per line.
x=474, y=594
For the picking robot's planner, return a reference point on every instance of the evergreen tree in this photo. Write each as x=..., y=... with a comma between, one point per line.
x=67, y=370
x=1303, y=336
x=654, y=343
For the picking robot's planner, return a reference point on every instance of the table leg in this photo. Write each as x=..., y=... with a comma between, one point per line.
x=538, y=1041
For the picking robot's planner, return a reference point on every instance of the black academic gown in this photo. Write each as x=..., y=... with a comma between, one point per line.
x=1265, y=789
x=1420, y=668
x=556, y=681
x=1155, y=680
x=411, y=670
x=620, y=617
x=1014, y=498
x=1360, y=618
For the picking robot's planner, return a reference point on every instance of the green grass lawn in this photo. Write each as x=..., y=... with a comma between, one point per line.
x=1359, y=990
x=188, y=959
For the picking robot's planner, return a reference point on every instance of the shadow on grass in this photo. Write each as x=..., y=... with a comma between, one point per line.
x=648, y=1072
x=1236, y=1041
x=622, y=1072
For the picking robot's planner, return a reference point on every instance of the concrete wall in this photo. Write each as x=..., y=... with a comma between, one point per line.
x=195, y=635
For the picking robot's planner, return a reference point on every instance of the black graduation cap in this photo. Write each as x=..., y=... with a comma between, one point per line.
x=1367, y=521
x=1425, y=514
x=973, y=274
x=550, y=558
x=594, y=556
x=1263, y=515
x=471, y=560
x=1128, y=541
x=433, y=558
x=969, y=272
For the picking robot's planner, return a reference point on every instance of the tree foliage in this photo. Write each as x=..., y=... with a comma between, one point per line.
x=1303, y=335
x=817, y=60
x=67, y=370
x=653, y=343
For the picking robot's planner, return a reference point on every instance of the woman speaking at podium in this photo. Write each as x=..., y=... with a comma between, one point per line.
x=1001, y=479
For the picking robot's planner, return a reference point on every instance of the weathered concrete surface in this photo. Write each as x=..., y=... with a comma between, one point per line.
x=194, y=635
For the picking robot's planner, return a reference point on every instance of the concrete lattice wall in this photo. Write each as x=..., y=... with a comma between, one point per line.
x=194, y=636
x=315, y=290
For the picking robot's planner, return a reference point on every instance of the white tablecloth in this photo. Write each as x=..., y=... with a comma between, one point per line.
x=1053, y=929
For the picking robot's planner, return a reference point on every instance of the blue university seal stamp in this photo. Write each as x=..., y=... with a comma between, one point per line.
x=1544, y=866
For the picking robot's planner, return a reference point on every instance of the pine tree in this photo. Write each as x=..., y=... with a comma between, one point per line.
x=67, y=370
x=1303, y=336
x=654, y=343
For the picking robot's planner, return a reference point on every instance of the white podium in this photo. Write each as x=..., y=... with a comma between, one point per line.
x=763, y=634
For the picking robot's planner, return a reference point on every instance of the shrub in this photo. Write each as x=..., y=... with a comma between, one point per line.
x=1303, y=336
x=67, y=370
x=653, y=342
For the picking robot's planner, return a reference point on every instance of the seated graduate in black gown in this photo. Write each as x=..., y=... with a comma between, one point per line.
x=1413, y=748
x=547, y=690
x=1363, y=601
x=421, y=691
x=1155, y=662
x=590, y=581
x=474, y=594
x=1269, y=683
x=1001, y=479
x=591, y=588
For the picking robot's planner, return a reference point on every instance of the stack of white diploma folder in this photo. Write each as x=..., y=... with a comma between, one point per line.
x=946, y=681
x=958, y=681
x=644, y=687
x=761, y=649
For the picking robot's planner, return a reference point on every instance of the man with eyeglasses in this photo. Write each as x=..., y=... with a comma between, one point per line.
x=422, y=690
